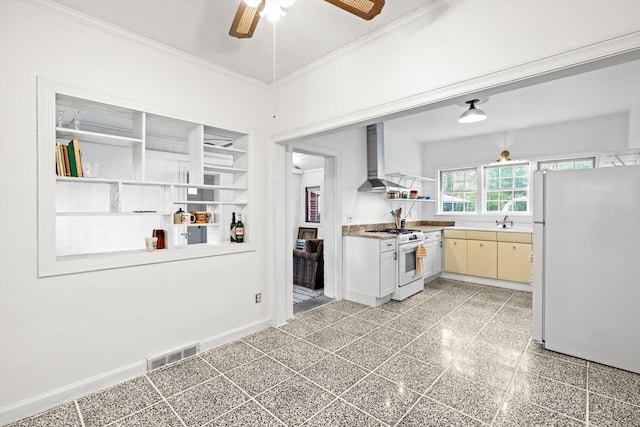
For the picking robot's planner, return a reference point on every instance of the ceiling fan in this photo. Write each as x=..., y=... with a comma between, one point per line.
x=250, y=11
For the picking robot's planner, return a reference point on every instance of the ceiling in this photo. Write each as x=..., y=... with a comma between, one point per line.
x=313, y=29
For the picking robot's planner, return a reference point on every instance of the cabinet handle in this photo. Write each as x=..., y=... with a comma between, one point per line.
x=455, y=243
x=514, y=248
x=481, y=245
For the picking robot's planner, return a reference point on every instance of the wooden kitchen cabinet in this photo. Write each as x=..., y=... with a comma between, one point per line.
x=455, y=255
x=514, y=250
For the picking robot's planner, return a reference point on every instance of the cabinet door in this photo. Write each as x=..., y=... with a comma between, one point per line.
x=455, y=256
x=513, y=261
x=388, y=270
x=436, y=257
x=482, y=258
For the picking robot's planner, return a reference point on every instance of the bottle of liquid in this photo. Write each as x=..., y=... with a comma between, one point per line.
x=233, y=227
x=239, y=230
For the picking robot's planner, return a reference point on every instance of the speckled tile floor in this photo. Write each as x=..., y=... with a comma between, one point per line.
x=456, y=354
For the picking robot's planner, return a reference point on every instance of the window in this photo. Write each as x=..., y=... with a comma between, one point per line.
x=458, y=190
x=567, y=164
x=506, y=188
x=312, y=204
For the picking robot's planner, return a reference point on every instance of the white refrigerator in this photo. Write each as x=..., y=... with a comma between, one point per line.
x=586, y=264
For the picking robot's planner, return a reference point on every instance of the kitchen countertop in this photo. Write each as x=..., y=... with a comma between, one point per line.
x=499, y=229
x=424, y=226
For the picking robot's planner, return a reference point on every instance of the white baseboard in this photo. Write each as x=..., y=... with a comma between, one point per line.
x=489, y=282
x=58, y=396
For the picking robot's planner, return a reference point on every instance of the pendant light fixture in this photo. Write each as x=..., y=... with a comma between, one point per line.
x=473, y=114
x=504, y=157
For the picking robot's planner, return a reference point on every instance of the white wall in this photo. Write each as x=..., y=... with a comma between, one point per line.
x=58, y=331
x=562, y=140
x=430, y=55
x=634, y=123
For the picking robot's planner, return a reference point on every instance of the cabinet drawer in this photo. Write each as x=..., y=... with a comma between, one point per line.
x=455, y=234
x=482, y=258
x=514, y=237
x=481, y=235
x=513, y=262
x=388, y=245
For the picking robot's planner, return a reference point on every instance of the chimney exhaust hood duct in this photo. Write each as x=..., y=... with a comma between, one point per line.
x=375, y=182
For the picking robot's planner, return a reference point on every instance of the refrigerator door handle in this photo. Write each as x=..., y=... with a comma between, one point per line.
x=539, y=222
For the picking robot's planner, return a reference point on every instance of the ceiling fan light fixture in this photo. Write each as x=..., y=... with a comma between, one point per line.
x=473, y=114
x=272, y=11
x=365, y=9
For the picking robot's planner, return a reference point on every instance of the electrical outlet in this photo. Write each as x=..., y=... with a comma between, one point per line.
x=258, y=297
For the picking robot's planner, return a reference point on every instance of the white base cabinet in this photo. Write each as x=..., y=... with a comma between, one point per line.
x=370, y=269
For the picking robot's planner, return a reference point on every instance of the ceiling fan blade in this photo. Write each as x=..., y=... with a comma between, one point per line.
x=245, y=21
x=365, y=9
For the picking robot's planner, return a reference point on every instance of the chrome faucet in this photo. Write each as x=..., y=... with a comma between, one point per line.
x=504, y=223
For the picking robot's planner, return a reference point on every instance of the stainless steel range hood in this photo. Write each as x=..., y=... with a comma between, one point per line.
x=375, y=182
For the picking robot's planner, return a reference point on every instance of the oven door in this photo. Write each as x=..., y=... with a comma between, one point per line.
x=407, y=263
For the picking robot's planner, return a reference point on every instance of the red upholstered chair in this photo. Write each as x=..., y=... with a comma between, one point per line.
x=308, y=265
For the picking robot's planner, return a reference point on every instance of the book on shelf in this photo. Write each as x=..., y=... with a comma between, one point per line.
x=72, y=160
x=60, y=171
x=76, y=155
x=65, y=156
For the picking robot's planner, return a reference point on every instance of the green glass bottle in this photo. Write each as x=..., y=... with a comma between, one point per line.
x=233, y=227
x=239, y=230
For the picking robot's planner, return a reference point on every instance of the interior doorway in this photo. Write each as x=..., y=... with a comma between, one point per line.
x=309, y=209
x=307, y=194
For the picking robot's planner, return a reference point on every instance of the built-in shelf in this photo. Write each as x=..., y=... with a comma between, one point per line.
x=95, y=137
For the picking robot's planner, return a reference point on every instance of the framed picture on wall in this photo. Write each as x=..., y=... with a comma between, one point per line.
x=307, y=233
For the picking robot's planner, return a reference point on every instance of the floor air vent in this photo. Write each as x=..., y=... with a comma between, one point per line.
x=173, y=356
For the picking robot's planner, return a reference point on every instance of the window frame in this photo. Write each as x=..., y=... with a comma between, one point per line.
x=485, y=190
x=440, y=209
x=567, y=159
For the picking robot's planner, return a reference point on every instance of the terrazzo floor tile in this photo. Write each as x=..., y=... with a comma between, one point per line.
x=388, y=338
x=516, y=414
x=497, y=333
x=410, y=325
x=249, y=414
x=117, y=402
x=302, y=326
x=482, y=305
x=331, y=339
x=616, y=383
x=354, y=326
x=428, y=413
x=487, y=371
x=207, y=401
x=299, y=355
x=348, y=307
x=341, y=414
x=462, y=325
x=494, y=294
x=61, y=416
x=381, y=398
x=399, y=307
x=181, y=375
x=605, y=412
x=468, y=312
x=325, y=315
x=295, y=400
x=259, y=375
x=335, y=373
x=376, y=315
x=423, y=313
x=557, y=369
x=538, y=348
x=411, y=372
x=514, y=318
x=504, y=352
x=475, y=400
x=159, y=415
x=430, y=349
x=551, y=394
x=231, y=355
x=520, y=299
x=269, y=339
x=365, y=354
x=426, y=293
